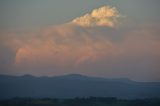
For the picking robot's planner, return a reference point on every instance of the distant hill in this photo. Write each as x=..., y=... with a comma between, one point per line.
x=75, y=85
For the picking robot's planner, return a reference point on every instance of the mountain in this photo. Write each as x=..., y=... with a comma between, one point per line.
x=75, y=85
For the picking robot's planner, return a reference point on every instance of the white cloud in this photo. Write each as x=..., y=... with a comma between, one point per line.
x=104, y=16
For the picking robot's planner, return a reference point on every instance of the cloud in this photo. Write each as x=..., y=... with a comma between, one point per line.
x=70, y=49
x=67, y=44
x=103, y=16
x=73, y=48
x=63, y=45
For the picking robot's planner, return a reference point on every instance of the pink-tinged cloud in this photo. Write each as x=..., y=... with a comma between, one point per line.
x=68, y=45
x=64, y=45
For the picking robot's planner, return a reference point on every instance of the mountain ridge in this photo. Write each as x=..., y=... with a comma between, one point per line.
x=66, y=76
x=75, y=85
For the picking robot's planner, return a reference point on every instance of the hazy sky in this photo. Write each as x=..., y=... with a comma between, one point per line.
x=33, y=13
x=109, y=38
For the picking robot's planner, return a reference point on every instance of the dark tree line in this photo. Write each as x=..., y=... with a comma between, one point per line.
x=91, y=101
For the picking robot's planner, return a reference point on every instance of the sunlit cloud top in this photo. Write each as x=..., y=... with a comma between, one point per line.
x=103, y=16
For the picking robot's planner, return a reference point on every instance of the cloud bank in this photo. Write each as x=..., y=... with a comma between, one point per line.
x=73, y=48
x=61, y=46
x=104, y=16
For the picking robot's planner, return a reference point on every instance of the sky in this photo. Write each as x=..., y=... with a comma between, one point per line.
x=104, y=38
